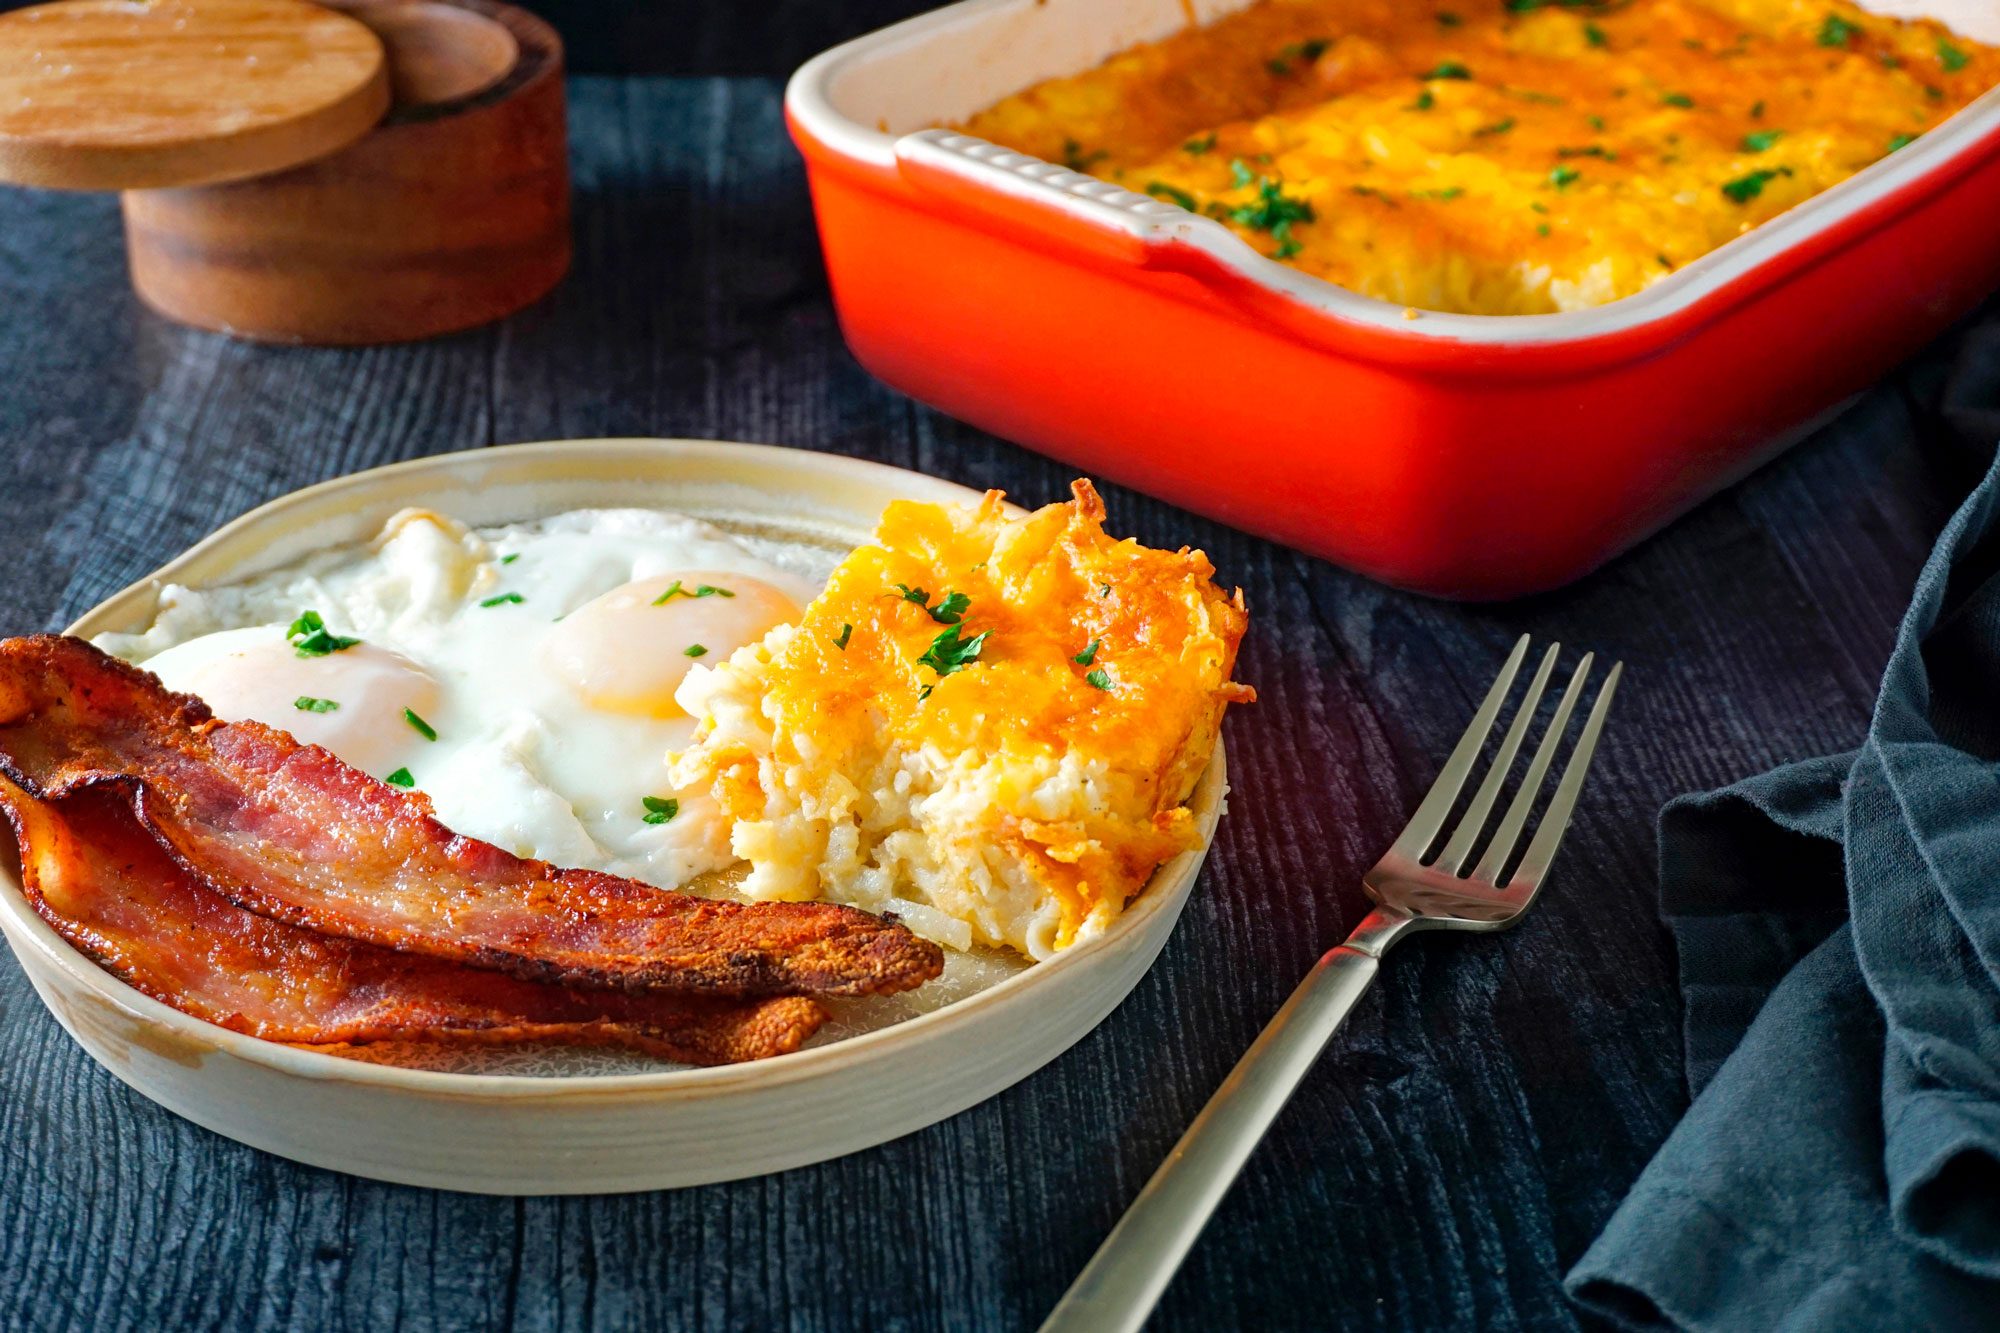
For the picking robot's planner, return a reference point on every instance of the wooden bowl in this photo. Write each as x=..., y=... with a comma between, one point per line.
x=453, y=212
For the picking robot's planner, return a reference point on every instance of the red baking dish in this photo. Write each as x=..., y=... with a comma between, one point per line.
x=1470, y=456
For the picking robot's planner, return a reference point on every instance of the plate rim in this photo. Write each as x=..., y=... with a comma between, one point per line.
x=1171, y=883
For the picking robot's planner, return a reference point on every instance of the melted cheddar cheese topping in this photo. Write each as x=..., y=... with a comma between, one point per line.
x=1501, y=156
x=990, y=725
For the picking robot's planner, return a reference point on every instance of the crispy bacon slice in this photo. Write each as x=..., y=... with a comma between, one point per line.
x=108, y=888
x=290, y=832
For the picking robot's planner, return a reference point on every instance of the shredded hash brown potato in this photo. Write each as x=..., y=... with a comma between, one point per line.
x=987, y=725
x=1501, y=156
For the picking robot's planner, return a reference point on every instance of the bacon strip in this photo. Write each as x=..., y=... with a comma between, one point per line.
x=290, y=832
x=108, y=888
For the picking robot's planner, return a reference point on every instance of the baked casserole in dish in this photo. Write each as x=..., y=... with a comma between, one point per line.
x=1467, y=296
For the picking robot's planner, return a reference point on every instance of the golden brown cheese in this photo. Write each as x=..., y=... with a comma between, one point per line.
x=987, y=721
x=1501, y=156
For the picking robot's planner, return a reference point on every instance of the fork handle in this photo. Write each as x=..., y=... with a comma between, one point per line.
x=1119, y=1287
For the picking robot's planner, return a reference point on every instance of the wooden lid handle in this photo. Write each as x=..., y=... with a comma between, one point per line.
x=112, y=95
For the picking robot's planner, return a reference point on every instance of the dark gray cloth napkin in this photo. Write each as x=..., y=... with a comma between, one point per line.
x=1838, y=922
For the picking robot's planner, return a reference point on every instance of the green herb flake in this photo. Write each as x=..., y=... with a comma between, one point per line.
x=504, y=599
x=673, y=591
x=1443, y=196
x=1196, y=147
x=846, y=633
x=1447, y=19
x=1589, y=150
x=1678, y=99
x=1542, y=229
x=1275, y=212
x=309, y=637
x=1595, y=122
x=694, y=650
x=1448, y=69
x=1760, y=141
x=659, y=809
x=423, y=728
x=1076, y=159
x=400, y=778
x=951, y=610
x=1951, y=57
x=1088, y=655
x=1500, y=126
x=951, y=651
x=1664, y=262
x=1564, y=176
x=1103, y=590
x=1425, y=101
x=1173, y=194
x=710, y=590
x=909, y=594
x=1756, y=111
x=305, y=703
x=925, y=693
x=1100, y=678
x=1837, y=31
x=510, y=558
x=1745, y=188
x=1901, y=141
x=1306, y=52
x=1593, y=34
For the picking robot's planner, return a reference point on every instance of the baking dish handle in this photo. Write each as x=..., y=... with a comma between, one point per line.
x=1039, y=199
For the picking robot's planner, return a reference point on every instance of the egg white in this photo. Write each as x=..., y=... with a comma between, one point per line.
x=528, y=753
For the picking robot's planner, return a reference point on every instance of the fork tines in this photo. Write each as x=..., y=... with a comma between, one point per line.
x=1470, y=832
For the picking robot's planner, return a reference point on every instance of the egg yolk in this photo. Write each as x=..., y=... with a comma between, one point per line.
x=351, y=701
x=628, y=650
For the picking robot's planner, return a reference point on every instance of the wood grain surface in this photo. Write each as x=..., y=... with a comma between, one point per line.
x=110, y=95
x=1456, y=1149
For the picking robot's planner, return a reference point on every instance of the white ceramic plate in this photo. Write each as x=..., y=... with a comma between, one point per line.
x=591, y=1132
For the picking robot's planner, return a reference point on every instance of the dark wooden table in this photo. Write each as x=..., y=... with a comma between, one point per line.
x=1455, y=1151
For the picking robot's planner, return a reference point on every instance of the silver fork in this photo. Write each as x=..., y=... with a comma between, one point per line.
x=1412, y=891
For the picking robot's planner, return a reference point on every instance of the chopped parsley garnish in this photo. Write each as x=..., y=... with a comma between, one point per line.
x=1447, y=19
x=1677, y=99
x=1593, y=34
x=1272, y=211
x=1563, y=176
x=1596, y=122
x=1174, y=194
x=917, y=595
x=694, y=650
x=846, y=633
x=1425, y=101
x=1665, y=262
x=1200, y=145
x=1745, y=188
x=400, y=778
x=309, y=638
x=1088, y=655
x=305, y=703
x=1077, y=160
x=1443, y=196
x=1590, y=150
x=1951, y=57
x=659, y=809
x=675, y=589
x=925, y=693
x=1756, y=111
x=423, y=728
x=504, y=599
x=951, y=609
x=510, y=558
x=1759, y=141
x=1103, y=590
x=1308, y=51
x=1542, y=229
x=1100, y=678
x=1239, y=174
x=1497, y=127
x=1837, y=31
x=950, y=651
x=1901, y=141
x=1448, y=69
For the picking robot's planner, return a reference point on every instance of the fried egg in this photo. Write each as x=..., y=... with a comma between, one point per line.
x=524, y=677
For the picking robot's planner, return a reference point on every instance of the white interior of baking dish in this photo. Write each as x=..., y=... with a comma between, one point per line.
x=879, y=98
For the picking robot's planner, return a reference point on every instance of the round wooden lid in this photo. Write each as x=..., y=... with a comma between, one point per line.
x=113, y=95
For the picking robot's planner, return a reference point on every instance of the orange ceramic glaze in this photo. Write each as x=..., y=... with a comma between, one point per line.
x=1460, y=455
